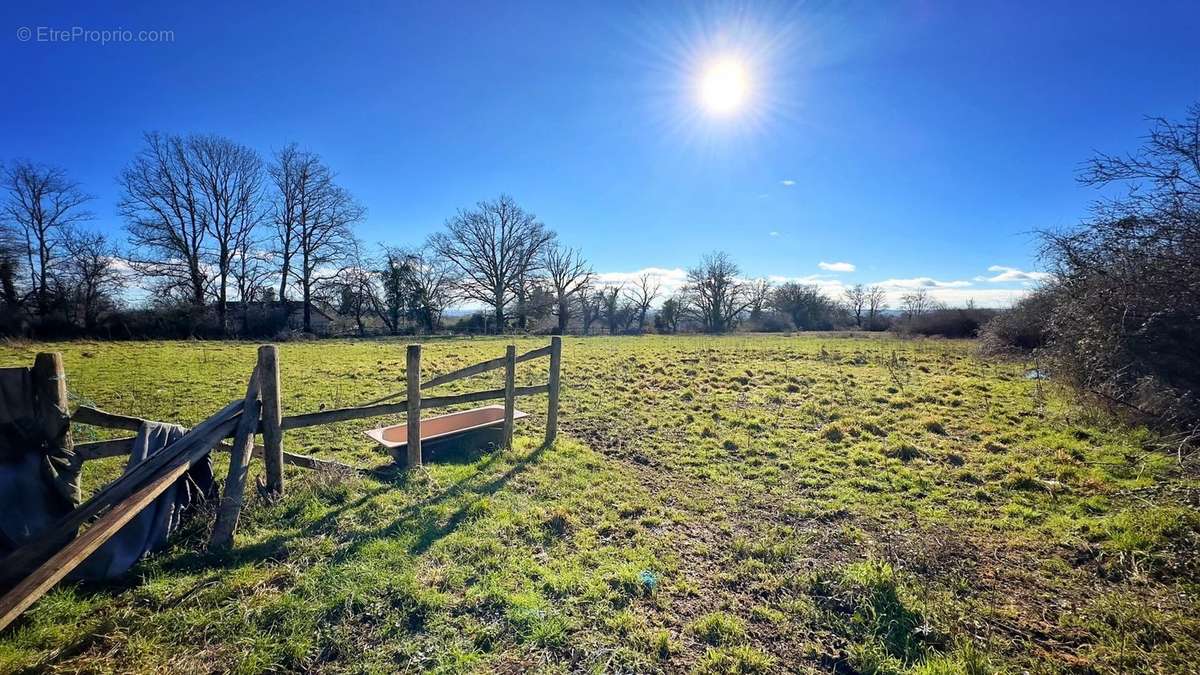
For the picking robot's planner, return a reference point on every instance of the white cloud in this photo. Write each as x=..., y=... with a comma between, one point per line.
x=921, y=282
x=1012, y=274
x=672, y=279
x=958, y=297
x=836, y=266
x=773, y=233
x=788, y=182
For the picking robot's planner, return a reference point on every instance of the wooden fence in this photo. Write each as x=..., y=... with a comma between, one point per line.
x=39, y=565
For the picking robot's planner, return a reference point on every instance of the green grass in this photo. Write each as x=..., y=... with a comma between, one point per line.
x=736, y=504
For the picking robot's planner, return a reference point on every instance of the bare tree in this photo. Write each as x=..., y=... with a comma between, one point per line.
x=313, y=217
x=856, y=302
x=495, y=247
x=93, y=275
x=533, y=299
x=916, y=303
x=355, y=286
x=715, y=294
x=641, y=294
x=298, y=178
x=323, y=240
x=43, y=203
x=252, y=269
x=569, y=275
x=759, y=295
x=10, y=270
x=1126, y=283
x=229, y=176
x=876, y=303
x=162, y=203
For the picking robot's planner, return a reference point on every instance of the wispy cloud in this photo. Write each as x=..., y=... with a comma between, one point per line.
x=787, y=182
x=921, y=282
x=773, y=233
x=836, y=266
x=1012, y=274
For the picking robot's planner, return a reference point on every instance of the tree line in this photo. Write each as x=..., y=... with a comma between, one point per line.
x=223, y=242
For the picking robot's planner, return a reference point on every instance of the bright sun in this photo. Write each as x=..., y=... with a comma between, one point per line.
x=724, y=86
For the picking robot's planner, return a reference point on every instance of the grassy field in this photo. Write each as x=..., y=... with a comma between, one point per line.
x=740, y=504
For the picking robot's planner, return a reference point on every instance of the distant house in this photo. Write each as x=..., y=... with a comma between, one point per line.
x=322, y=319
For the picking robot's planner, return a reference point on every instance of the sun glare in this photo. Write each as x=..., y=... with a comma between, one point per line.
x=724, y=86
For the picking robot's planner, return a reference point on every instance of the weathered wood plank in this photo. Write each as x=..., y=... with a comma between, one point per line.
x=510, y=392
x=385, y=409
x=412, y=373
x=230, y=509
x=116, y=447
x=119, y=447
x=553, y=386
x=272, y=417
x=102, y=418
x=484, y=367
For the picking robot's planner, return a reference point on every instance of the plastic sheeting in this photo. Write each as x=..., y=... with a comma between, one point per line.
x=30, y=503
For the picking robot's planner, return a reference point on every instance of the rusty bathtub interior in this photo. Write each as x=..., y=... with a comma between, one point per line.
x=454, y=432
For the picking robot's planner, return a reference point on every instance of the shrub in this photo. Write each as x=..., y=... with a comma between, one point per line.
x=1021, y=328
x=1127, y=312
x=949, y=323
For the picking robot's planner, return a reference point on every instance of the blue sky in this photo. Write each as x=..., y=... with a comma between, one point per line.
x=913, y=140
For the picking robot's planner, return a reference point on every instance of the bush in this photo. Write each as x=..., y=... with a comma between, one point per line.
x=1120, y=322
x=1021, y=328
x=769, y=322
x=949, y=323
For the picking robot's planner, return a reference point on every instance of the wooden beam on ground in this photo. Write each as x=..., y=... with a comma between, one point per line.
x=190, y=448
x=510, y=392
x=412, y=373
x=239, y=467
x=306, y=461
x=554, y=386
x=272, y=417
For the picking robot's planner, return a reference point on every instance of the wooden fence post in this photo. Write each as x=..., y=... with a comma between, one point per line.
x=239, y=467
x=272, y=416
x=49, y=381
x=510, y=392
x=552, y=405
x=413, y=374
